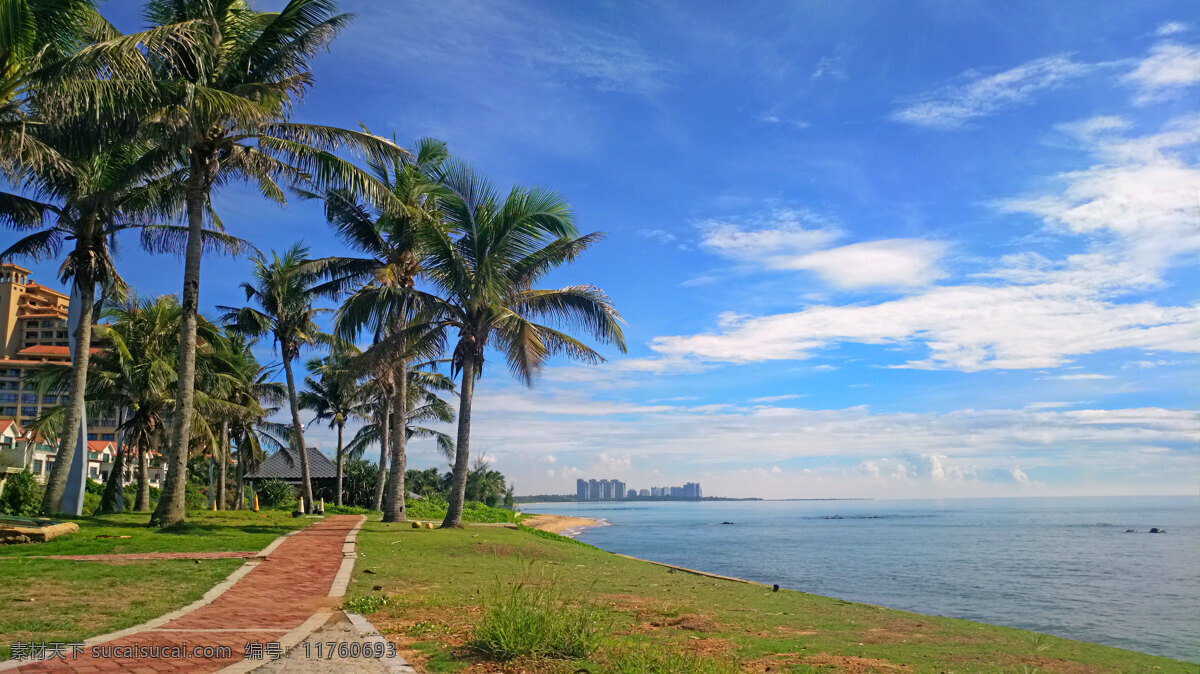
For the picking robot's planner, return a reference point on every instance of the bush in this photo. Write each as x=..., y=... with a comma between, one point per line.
x=22, y=496
x=358, y=483
x=91, y=503
x=536, y=621
x=275, y=494
x=429, y=508
x=434, y=508
x=195, y=497
x=331, y=509
x=474, y=511
x=93, y=487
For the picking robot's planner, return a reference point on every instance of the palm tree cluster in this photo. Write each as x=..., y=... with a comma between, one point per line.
x=105, y=133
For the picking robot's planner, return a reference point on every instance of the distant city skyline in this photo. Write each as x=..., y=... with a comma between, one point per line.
x=593, y=489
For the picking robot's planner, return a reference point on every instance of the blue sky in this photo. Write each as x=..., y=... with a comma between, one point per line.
x=908, y=249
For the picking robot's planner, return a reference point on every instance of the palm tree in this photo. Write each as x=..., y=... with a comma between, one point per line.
x=100, y=194
x=334, y=396
x=250, y=387
x=387, y=303
x=35, y=35
x=486, y=266
x=424, y=405
x=283, y=290
x=225, y=98
x=135, y=375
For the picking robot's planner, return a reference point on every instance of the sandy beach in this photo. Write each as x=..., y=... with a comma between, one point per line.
x=559, y=524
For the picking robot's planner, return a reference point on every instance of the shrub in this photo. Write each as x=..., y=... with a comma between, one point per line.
x=22, y=496
x=91, y=503
x=275, y=494
x=358, y=483
x=94, y=487
x=428, y=508
x=535, y=620
x=474, y=511
x=346, y=510
x=195, y=497
x=434, y=508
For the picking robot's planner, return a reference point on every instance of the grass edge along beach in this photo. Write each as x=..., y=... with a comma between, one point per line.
x=510, y=596
x=470, y=598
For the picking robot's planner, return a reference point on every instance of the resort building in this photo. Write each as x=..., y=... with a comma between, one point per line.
x=22, y=449
x=33, y=331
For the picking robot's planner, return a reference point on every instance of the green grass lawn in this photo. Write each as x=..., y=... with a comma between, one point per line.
x=55, y=600
x=438, y=583
x=204, y=531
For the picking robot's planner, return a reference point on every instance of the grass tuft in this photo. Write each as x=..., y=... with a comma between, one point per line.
x=535, y=620
x=365, y=605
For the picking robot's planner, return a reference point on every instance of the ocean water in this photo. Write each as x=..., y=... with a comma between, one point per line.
x=1065, y=566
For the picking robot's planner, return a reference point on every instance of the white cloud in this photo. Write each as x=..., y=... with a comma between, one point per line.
x=775, y=399
x=1082, y=377
x=964, y=452
x=1171, y=27
x=976, y=95
x=1047, y=405
x=966, y=328
x=777, y=236
x=832, y=66
x=800, y=240
x=889, y=262
x=658, y=235
x=1136, y=214
x=776, y=119
x=1168, y=67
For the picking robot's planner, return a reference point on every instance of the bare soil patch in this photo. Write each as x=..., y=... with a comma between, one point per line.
x=856, y=665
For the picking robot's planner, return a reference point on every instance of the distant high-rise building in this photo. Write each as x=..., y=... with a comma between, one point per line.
x=581, y=489
x=618, y=488
x=643, y=492
x=593, y=489
x=676, y=492
x=691, y=490
x=632, y=493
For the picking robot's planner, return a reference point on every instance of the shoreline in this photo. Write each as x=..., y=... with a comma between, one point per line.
x=563, y=525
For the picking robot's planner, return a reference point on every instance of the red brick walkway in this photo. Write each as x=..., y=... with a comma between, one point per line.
x=285, y=589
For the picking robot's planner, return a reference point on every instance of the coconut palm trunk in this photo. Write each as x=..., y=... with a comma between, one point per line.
x=305, y=482
x=239, y=490
x=113, y=499
x=385, y=425
x=458, y=490
x=223, y=474
x=142, y=503
x=340, y=428
x=56, y=483
x=395, y=510
x=171, y=505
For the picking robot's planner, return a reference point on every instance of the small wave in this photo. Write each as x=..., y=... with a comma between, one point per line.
x=574, y=531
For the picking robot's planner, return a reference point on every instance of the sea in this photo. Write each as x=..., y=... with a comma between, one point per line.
x=1079, y=568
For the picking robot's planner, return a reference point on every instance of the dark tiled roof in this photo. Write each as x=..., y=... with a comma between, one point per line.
x=277, y=467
